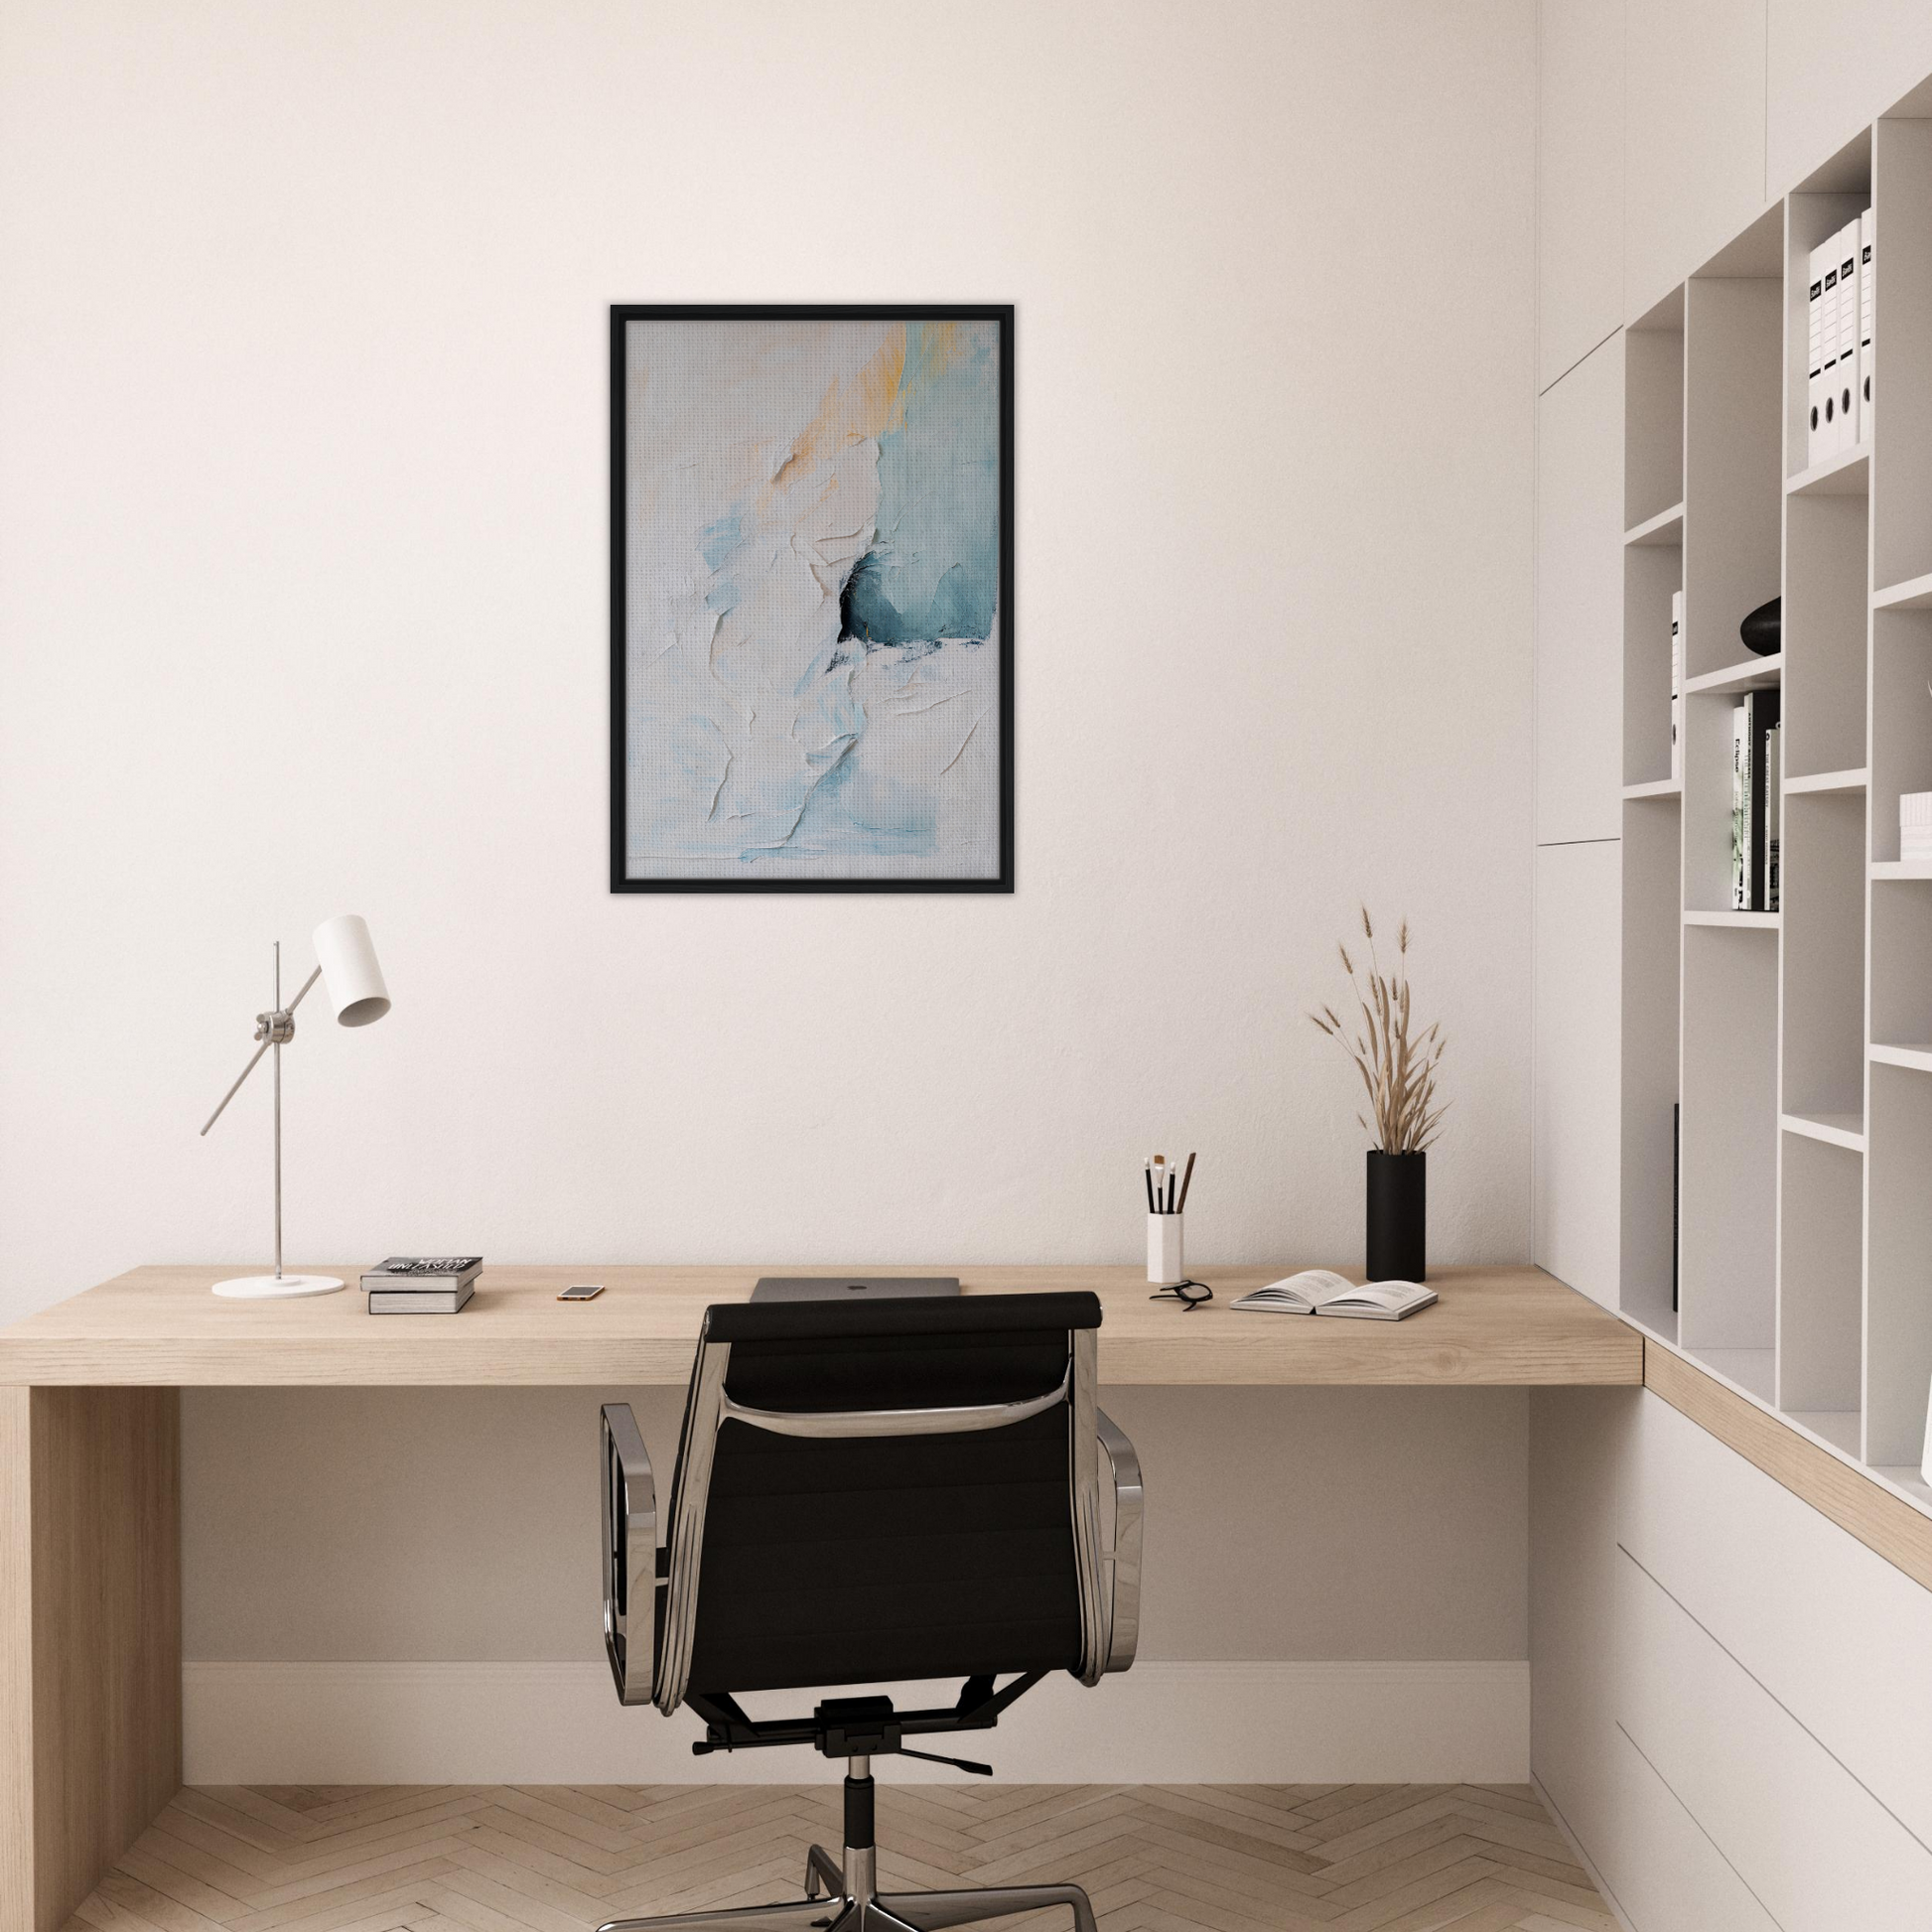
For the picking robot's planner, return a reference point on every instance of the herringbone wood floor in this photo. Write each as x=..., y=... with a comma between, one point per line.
x=562, y=1858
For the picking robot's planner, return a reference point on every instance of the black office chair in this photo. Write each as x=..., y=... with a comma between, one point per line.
x=866, y=1494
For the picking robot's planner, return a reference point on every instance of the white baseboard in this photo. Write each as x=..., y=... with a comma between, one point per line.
x=561, y=1724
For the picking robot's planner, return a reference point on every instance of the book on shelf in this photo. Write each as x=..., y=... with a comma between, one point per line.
x=1867, y=301
x=1752, y=820
x=1761, y=719
x=1320, y=1290
x=1677, y=687
x=420, y=1301
x=1741, y=811
x=1773, y=807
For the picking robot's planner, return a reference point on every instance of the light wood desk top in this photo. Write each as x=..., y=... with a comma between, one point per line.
x=160, y=1326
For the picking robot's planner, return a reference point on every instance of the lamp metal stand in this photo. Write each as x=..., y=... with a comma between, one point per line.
x=274, y=1030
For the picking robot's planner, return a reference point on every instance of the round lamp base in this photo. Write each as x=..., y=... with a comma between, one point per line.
x=276, y=1287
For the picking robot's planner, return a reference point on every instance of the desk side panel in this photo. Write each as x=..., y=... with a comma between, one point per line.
x=104, y=1540
x=16, y=1665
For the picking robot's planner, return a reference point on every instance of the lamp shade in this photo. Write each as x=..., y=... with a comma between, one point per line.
x=350, y=975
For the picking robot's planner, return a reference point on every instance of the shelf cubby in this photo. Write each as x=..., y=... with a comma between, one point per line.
x=1901, y=719
x=1729, y=1084
x=1825, y=612
x=1652, y=952
x=1733, y=480
x=1901, y=963
x=1821, y=1257
x=1652, y=573
x=1653, y=434
x=1823, y=921
x=1898, y=1309
x=1901, y=401
x=1706, y=805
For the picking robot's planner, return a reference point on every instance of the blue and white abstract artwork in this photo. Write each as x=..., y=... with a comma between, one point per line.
x=812, y=648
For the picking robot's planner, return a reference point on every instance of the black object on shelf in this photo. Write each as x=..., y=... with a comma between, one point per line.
x=1398, y=1216
x=1763, y=630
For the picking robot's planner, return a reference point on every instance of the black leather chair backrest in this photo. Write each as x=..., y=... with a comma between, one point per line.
x=864, y=1560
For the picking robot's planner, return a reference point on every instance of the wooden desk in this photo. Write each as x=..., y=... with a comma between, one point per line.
x=161, y=1327
x=90, y=1462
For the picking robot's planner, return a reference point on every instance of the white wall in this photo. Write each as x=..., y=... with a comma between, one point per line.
x=302, y=484
x=1282, y=1523
x=302, y=499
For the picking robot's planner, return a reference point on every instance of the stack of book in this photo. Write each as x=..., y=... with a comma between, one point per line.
x=1754, y=803
x=422, y=1283
x=1838, y=362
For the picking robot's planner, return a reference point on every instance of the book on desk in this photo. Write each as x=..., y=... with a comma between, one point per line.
x=421, y=1283
x=1320, y=1290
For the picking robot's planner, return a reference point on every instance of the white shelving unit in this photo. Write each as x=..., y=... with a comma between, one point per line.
x=1797, y=1043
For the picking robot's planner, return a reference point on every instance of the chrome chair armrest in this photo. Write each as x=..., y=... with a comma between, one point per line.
x=629, y=1554
x=1124, y=1558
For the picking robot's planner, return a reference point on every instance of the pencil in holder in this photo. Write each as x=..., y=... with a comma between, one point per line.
x=1164, y=1264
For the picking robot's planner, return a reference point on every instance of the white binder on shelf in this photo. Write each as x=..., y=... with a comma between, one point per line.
x=1866, y=304
x=1828, y=436
x=1817, y=310
x=1847, y=335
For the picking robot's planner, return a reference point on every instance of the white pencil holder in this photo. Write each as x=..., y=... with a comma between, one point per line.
x=1165, y=1265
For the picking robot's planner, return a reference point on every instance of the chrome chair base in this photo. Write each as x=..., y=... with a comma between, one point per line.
x=856, y=1908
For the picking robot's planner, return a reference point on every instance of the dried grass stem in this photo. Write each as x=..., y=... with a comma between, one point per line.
x=1398, y=1067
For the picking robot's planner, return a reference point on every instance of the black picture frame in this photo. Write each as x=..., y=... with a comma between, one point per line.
x=622, y=314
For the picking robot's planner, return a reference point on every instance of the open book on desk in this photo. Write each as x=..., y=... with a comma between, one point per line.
x=1320, y=1290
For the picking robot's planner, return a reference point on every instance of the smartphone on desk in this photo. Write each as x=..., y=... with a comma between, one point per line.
x=582, y=1292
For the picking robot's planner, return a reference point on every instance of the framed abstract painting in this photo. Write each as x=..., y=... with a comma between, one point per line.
x=811, y=598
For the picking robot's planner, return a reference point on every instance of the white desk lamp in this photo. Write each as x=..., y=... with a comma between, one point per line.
x=352, y=981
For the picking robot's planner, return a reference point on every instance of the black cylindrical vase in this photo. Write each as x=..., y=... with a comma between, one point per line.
x=1398, y=1216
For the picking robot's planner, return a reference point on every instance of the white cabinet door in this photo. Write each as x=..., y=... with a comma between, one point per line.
x=1579, y=179
x=1818, y=1851
x=1693, y=137
x=1833, y=65
x=1574, y=1113
x=1783, y=1589
x=1579, y=602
